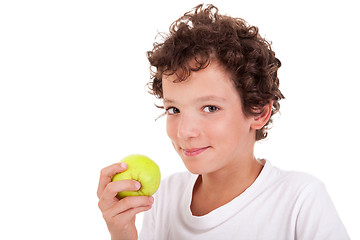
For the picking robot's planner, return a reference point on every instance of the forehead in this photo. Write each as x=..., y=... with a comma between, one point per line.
x=209, y=83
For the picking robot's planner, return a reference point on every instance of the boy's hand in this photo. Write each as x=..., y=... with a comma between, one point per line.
x=119, y=215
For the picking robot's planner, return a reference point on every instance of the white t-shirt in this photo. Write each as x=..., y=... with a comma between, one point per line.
x=278, y=205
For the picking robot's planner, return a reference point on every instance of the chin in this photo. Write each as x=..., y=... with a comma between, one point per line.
x=195, y=171
x=195, y=166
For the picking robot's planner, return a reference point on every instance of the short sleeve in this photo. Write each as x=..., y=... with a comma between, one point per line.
x=317, y=218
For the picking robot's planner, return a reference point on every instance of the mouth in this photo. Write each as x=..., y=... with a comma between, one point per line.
x=194, y=151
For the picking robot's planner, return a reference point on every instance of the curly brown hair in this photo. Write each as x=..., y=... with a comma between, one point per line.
x=205, y=35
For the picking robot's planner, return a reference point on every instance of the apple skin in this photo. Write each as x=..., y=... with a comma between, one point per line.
x=142, y=169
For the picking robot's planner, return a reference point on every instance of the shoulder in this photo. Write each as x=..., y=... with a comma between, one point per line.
x=293, y=182
x=293, y=178
x=310, y=204
x=299, y=189
x=303, y=179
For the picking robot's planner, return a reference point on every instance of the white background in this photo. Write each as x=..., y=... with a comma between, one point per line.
x=73, y=100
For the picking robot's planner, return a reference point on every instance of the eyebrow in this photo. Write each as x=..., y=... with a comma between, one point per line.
x=199, y=99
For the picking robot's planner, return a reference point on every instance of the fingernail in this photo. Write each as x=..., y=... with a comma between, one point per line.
x=123, y=165
x=137, y=185
x=151, y=199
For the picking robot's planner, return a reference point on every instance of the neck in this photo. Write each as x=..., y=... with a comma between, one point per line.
x=230, y=183
x=239, y=177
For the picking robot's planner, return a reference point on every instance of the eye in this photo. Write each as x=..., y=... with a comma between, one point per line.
x=172, y=110
x=210, y=109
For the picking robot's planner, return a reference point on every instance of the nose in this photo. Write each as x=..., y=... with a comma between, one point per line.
x=188, y=127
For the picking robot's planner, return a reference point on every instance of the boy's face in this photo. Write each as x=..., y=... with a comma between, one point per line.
x=205, y=121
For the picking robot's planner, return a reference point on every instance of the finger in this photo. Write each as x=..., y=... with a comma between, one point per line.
x=133, y=202
x=123, y=220
x=129, y=206
x=106, y=175
x=108, y=197
x=128, y=215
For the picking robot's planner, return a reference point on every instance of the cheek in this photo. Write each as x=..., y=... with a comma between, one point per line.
x=231, y=130
x=171, y=129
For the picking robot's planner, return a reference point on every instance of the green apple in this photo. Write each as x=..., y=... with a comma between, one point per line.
x=142, y=169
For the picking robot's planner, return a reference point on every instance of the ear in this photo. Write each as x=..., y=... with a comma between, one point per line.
x=260, y=120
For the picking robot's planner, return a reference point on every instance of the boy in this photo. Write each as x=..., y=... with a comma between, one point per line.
x=218, y=80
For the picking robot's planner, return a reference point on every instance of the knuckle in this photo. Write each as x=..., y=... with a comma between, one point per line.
x=126, y=201
x=106, y=216
x=108, y=170
x=103, y=172
x=130, y=214
x=100, y=205
x=99, y=192
x=111, y=187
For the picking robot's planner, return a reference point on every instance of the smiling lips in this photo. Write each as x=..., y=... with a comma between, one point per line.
x=194, y=151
